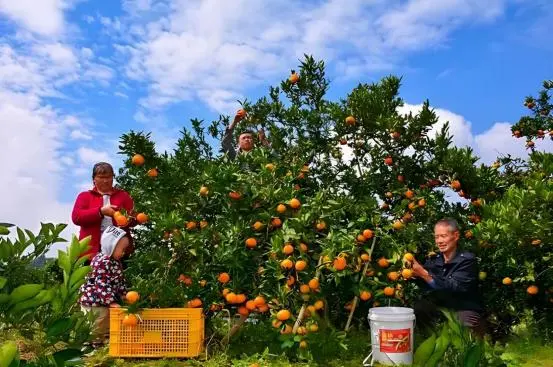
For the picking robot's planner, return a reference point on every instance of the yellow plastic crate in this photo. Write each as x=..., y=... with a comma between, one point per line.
x=163, y=332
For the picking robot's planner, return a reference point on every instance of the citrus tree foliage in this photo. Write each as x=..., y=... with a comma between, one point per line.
x=346, y=188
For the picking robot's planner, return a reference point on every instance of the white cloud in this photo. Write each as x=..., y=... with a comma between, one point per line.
x=237, y=50
x=80, y=135
x=89, y=156
x=488, y=145
x=120, y=94
x=44, y=17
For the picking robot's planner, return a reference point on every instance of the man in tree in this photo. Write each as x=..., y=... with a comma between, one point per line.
x=450, y=279
x=245, y=139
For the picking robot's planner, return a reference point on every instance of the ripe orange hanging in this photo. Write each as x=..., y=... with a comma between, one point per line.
x=365, y=295
x=288, y=249
x=259, y=301
x=383, y=262
x=152, y=173
x=141, y=218
x=301, y=265
x=121, y=221
x=138, y=160
x=235, y=195
x=286, y=264
x=251, y=242
x=294, y=203
x=294, y=78
x=204, y=191
x=339, y=263
x=314, y=283
x=223, y=278
x=368, y=234
x=281, y=208
x=389, y=291
x=283, y=315
x=132, y=297
x=350, y=120
x=130, y=320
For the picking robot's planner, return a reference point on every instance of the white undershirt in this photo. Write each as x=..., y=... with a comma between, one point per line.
x=106, y=221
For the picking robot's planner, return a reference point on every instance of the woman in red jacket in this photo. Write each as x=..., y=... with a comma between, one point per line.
x=93, y=210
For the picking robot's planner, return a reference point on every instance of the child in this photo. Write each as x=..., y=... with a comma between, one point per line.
x=105, y=284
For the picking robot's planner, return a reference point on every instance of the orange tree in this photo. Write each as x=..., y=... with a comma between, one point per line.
x=311, y=231
x=515, y=234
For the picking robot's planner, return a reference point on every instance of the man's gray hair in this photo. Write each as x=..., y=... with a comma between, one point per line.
x=450, y=222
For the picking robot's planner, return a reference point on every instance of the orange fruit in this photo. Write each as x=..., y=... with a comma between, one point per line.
x=231, y=298
x=383, y=262
x=361, y=239
x=319, y=305
x=339, y=263
x=276, y=222
x=313, y=328
x=412, y=206
x=468, y=234
x=235, y=195
x=368, y=234
x=304, y=288
x=152, y=173
x=407, y=273
x=507, y=281
x=532, y=290
x=203, y=224
x=536, y=242
x=225, y=292
x=456, y=185
x=132, y=297
x=141, y=218
x=303, y=247
x=203, y=283
x=240, y=298
x=302, y=330
x=321, y=225
x=241, y=113
x=283, y=315
x=121, y=221
x=422, y=203
x=409, y=194
x=286, y=264
x=314, y=283
x=281, y=208
x=393, y=276
x=365, y=295
x=301, y=265
x=138, y=160
x=409, y=257
x=204, y=191
x=276, y=323
x=258, y=226
x=388, y=161
x=288, y=249
x=191, y=225
x=194, y=303
x=223, y=278
x=389, y=291
x=350, y=120
x=270, y=167
x=259, y=301
x=243, y=311
x=365, y=257
x=294, y=77
x=263, y=308
x=294, y=203
x=130, y=320
x=290, y=281
x=287, y=329
x=251, y=242
x=303, y=344
x=397, y=225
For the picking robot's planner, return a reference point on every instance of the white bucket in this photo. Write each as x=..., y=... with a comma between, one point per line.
x=392, y=335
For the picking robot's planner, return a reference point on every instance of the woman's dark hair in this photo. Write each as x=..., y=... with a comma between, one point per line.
x=102, y=168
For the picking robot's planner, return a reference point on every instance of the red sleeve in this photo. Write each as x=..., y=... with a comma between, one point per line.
x=83, y=214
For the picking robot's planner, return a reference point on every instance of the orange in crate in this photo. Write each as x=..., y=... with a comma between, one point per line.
x=160, y=333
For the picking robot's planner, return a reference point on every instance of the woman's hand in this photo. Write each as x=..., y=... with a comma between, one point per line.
x=108, y=210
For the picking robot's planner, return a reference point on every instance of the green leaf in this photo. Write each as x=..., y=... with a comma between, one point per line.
x=78, y=276
x=59, y=327
x=67, y=357
x=4, y=231
x=3, y=282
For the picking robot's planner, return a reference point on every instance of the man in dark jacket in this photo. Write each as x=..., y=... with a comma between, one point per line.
x=245, y=139
x=450, y=279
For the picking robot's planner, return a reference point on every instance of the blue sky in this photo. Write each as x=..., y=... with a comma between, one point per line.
x=76, y=74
